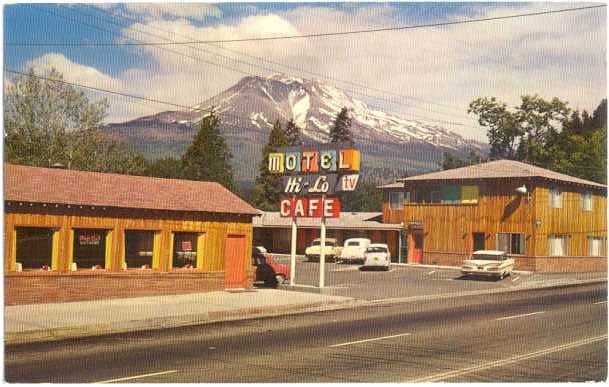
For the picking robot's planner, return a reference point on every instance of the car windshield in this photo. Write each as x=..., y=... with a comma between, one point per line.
x=376, y=249
x=353, y=243
x=488, y=257
x=318, y=243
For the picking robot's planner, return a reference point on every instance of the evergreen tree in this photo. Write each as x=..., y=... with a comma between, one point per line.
x=48, y=122
x=208, y=157
x=167, y=167
x=341, y=130
x=292, y=134
x=267, y=189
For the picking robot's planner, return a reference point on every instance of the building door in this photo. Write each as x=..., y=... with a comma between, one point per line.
x=416, y=247
x=479, y=241
x=235, y=274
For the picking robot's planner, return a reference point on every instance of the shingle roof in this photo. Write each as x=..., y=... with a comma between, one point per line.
x=501, y=169
x=346, y=220
x=60, y=186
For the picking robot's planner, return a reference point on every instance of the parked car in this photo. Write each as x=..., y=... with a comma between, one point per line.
x=377, y=256
x=268, y=270
x=353, y=250
x=488, y=263
x=331, y=250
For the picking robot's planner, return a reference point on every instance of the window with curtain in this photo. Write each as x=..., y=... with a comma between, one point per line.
x=396, y=200
x=511, y=243
x=469, y=194
x=555, y=198
x=597, y=246
x=587, y=201
x=451, y=194
x=558, y=245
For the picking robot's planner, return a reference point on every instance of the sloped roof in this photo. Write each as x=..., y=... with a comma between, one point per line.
x=70, y=187
x=501, y=169
x=346, y=220
x=397, y=184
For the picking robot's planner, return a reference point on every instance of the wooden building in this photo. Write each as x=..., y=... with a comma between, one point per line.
x=274, y=232
x=547, y=221
x=73, y=235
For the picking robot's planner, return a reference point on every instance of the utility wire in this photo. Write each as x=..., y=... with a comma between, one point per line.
x=317, y=35
x=199, y=59
x=367, y=87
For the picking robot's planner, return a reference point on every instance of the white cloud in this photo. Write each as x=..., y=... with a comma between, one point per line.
x=166, y=11
x=559, y=55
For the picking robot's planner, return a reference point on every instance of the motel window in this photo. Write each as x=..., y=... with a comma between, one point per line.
x=436, y=197
x=90, y=248
x=184, y=250
x=428, y=195
x=597, y=246
x=396, y=200
x=558, y=245
x=451, y=194
x=34, y=247
x=139, y=246
x=469, y=194
x=511, y=243
x=587, y=201
x=555, y=198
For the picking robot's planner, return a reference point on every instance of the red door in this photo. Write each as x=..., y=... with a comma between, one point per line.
x=235, y=275
x=415, y=254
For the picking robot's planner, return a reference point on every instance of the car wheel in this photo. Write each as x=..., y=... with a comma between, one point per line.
x=386, y=268
x=280, y=279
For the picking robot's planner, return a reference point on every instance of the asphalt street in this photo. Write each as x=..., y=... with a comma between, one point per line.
x=539, y=335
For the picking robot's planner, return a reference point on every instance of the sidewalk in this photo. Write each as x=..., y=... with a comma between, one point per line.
x=47, y=322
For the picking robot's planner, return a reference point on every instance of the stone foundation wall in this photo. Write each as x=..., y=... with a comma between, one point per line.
x=49, y=287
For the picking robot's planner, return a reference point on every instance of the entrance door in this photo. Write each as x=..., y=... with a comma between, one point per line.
x=235, y=261
x=479, y=240
x=416, y=250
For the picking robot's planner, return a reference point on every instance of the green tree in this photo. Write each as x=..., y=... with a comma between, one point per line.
x=365, y=198
x=167, y=167
x=48, y=122
x=267, y=189
x=292, y=134
x=208, y=157
x=340, y=132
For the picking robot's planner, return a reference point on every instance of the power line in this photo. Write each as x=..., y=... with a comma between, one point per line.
x=199, y=59
x=317, y=35
x=114, y=14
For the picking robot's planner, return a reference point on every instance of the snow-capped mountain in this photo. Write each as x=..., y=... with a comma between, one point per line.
x=248, y=110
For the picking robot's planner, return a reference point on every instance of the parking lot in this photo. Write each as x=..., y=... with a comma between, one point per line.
x=408, y=281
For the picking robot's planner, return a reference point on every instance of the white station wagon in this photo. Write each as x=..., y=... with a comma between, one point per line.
x=488, y=263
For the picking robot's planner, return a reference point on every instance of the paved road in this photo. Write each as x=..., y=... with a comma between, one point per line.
x=541, y=335
x=408, y=281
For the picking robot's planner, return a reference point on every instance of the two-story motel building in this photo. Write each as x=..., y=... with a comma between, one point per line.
x=549, y=222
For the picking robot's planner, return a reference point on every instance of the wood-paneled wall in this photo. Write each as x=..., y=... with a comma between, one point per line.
x=212, y=230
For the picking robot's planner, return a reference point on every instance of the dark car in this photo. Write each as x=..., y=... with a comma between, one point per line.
x=267, y=269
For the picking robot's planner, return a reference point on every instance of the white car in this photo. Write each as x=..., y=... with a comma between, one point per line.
x=354, y=250
x=488, y=263
x=377, y=256
x=331, y=250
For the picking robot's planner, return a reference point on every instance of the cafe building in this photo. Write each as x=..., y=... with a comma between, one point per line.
x=73, y=235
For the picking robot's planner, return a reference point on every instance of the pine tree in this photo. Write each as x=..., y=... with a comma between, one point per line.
x=208, y=157
x=267, y=190
x=292, y=134
x=341, y=130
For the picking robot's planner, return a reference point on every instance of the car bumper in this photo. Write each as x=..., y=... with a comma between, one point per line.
x=481, y=273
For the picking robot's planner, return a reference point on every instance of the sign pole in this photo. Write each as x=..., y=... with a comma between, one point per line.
x=322, y=254
x=293, y=250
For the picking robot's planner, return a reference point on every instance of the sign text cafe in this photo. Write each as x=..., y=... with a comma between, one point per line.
x=312, y=176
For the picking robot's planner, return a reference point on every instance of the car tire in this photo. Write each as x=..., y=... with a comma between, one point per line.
x=280, y=279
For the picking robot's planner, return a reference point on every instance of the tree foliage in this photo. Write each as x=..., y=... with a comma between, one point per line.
x=340, y=132
x=208, y=157
x=292, y=134
x=547, y=134
x=267, y=189
x=48, y=122
x=451, y=161
x=365, y=198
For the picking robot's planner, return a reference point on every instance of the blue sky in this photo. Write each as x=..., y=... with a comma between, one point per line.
x=560, y=55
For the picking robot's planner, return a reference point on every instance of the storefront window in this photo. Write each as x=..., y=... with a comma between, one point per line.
x=138, y=249
x=90, y=248
x=511, y=243
x=34, y=247
x=184, y=250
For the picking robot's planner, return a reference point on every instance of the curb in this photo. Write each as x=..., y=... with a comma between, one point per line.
x=57, y=334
